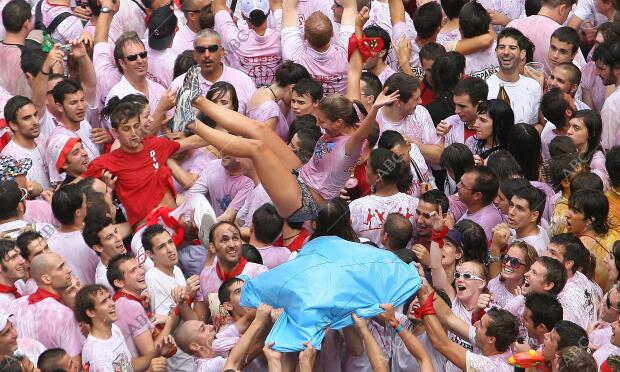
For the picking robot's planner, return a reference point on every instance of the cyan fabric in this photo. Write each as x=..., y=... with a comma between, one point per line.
x=324, y=284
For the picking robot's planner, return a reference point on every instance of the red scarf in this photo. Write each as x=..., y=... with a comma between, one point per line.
x=12, y=290
x=42, y=294
x=367, y=46
x=164, y=214
x=236, y=271
x=131, y=297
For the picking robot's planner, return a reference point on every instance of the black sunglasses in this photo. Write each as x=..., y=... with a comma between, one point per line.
x=514, y=262
x=211, y=48
x=133, y=57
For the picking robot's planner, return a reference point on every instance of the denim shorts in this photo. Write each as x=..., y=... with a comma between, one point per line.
x=309, y=209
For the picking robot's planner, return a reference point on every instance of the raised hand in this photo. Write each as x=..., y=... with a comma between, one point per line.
x=384, y=99
x=388, y=314
x=443, y=128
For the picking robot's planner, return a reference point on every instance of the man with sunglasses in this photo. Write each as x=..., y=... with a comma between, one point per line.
x=132, y=60
x=608, y=313
x=580, y=294
x=208, y=53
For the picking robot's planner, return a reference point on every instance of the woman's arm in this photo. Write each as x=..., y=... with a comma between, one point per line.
x=377, y=358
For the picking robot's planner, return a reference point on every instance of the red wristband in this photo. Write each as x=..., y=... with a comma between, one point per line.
x=438, y=236
x=427, y=307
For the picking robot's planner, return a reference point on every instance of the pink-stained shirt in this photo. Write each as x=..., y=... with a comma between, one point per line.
x=257, y=197
x=446, y=37
x=124, y=88
x=40, y=211
x=579, y=298
x=225, y=339
x=591, y=81
x=546, y=137
x=132, y=321
x=386, y=73
x=5, y=301
x=401, y=30
x=273, y=256
x=12, y=78
x=215, y=364
x=329, y=67
x=210, y=282
x=38, y=172
x=105, y=69
x=465, y=315
x=402, y=360
x=487, y=217
x=482, y=64
x=501, y=296
x=416, y=126
x=2, y=29
x=223, y=191
x=369, y=213
x=540, y=241
x=306, y=7
x=457, y=131
x=69, y=29
x=26, y=288
x=361, y=363
x=161, y=66
x=268, y=110
x=183, y=40
x=79, y=257
x=513, y=9
x=197, y=161
x=330, y=167
x=380, y=16
x=495, y=363
x=258, y=56
x=49, y=322
x=597, y=166
x=243, y=85
x=602, y=353
x=128, y=18
x=611, y=120
x=107, y=355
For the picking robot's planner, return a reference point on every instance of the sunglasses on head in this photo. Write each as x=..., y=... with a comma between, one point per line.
x=211, y=48
x=467, y=276
x=134, y=57
x=514, y=262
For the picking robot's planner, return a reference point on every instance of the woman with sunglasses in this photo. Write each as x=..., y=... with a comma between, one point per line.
x=515, y=262
x=587, y=218
x=271, y=104
x=585, y=129
x=493, y=125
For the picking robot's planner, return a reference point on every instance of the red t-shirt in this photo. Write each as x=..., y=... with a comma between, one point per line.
x=427, y=94
x=359, y=172
x=143, y=177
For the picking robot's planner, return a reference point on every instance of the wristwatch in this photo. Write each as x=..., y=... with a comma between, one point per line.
x=493, y=259
x=105, y=9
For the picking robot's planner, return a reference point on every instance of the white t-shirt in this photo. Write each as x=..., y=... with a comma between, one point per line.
x=579, y=298
x=111, y=355
x=209, y=365
x=416, y=126
x=481, y=363
x=160, y=286
x=369, y=213
x=524, y=94
x=101, y=276
x=539, y=241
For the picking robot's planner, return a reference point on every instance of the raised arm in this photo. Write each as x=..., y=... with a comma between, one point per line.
x=39, y=82
x=218, y=5
x=289, y=14
x=349, y=13
x=354, y=144
x=413, y=345
x=104, y=20
x=185, y=178
x=87, y=73
x=354, y=90
x=397, y=11
x=377, y=358
x=455, y=353
x=237, y=358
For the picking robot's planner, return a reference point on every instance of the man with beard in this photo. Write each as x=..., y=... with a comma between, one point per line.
x=12, y=269
x=21, y=115
x=607, y=59
x=524, y=92
x=225, y=245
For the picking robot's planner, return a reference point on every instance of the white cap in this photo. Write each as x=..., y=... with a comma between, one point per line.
x=247, y=6
x=4, y=318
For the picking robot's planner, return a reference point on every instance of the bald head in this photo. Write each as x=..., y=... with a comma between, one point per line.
x=398, y=230
x=318, y=30
x=44, y=264
x=186, y=334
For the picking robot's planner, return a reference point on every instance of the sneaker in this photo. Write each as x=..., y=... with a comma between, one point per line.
x=207, y=221
x=187, y=94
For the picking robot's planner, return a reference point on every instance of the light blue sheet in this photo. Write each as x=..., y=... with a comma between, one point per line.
x=324, y=284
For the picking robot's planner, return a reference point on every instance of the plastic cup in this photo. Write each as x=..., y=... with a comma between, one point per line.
x=535, y=67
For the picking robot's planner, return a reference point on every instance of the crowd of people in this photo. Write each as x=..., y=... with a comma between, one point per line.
x=157, y=155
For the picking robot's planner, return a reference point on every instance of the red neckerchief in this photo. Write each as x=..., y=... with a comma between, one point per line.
x=131, y=297
x=164, y=214
x=12, y=290
x=236, y=271
x=42, y=294
x=296, y=244
x=367, y=46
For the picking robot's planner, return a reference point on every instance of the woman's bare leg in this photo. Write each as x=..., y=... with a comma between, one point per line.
x=278, y=181
x=239, y=124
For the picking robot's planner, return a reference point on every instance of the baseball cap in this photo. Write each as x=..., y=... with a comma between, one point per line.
x=10, y=167
x=162, y=25
x=4, y=318
x=59, y=147
x=248, y=6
